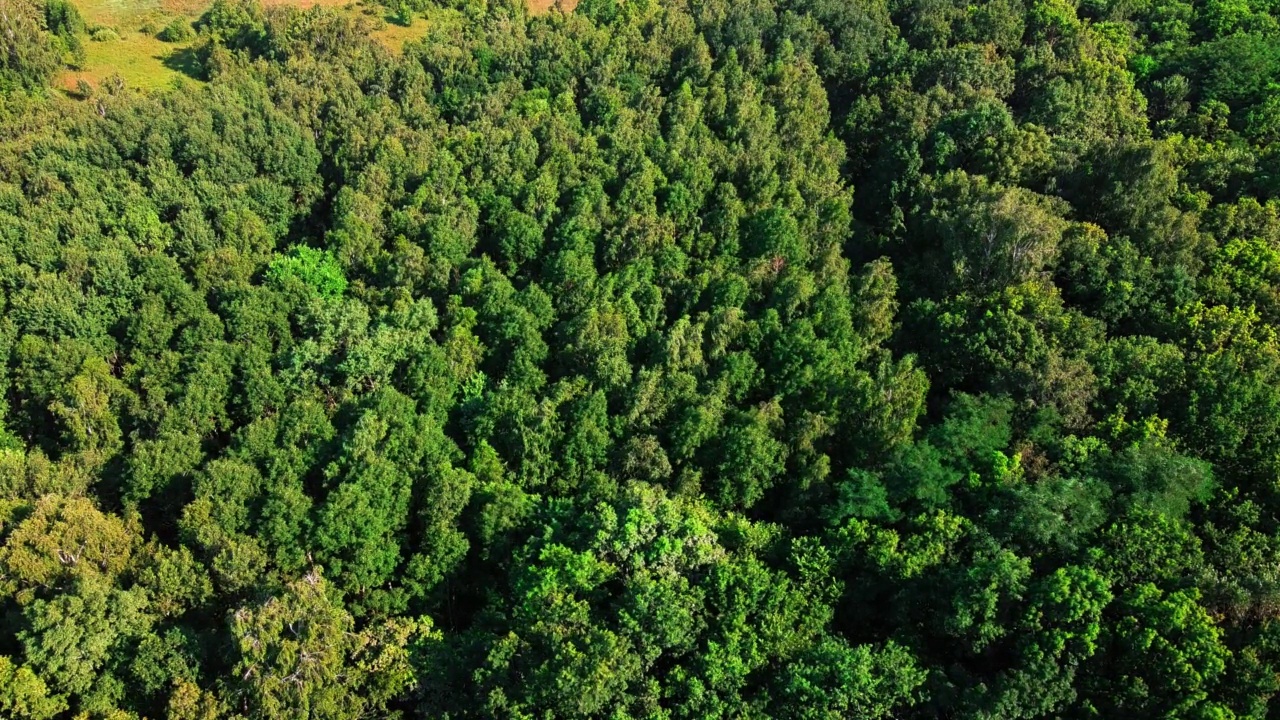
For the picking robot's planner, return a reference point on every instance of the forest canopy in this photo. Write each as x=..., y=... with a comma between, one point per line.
x=659, y=359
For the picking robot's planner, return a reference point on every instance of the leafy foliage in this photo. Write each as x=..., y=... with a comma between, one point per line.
x=781, y=358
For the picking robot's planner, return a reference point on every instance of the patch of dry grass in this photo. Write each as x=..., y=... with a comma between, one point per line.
x=537, y=7
x=395, y=36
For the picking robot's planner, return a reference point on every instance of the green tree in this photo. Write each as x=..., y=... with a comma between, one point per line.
x=299, y=651
x=29, y=59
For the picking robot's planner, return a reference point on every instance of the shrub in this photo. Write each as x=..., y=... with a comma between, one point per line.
x=177, y=31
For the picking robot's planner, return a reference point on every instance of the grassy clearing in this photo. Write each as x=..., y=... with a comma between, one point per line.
x=145, y=62
x=142, y=61
x=394, y=36
x=541, y=6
